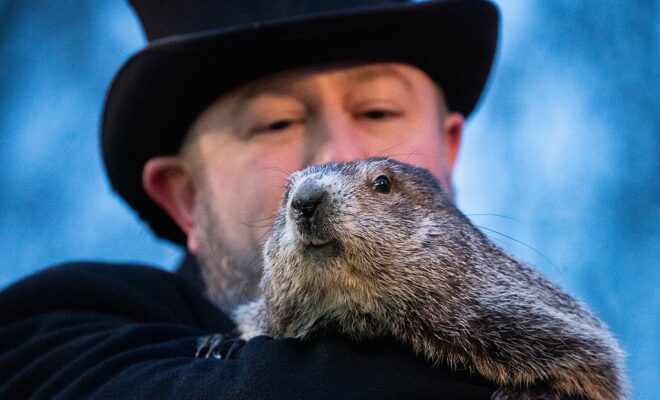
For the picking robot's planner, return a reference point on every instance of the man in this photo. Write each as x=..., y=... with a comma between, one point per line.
x=200, y=132
x=229, y=179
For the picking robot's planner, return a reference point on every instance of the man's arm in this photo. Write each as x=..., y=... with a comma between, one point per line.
x=103, y=331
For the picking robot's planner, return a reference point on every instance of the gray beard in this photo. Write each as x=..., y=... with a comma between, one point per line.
x=229, y=280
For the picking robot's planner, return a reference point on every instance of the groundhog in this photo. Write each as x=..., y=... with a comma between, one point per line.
x=377, y=248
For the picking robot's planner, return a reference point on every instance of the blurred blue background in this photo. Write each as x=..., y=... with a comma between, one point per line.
x=560, y=165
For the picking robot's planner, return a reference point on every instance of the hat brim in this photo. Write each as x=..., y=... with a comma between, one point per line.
x=159, y=92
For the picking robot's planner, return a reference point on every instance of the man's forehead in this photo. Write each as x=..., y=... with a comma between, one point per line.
x=289, y=81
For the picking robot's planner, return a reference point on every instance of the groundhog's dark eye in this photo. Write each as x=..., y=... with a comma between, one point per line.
x=382, y=184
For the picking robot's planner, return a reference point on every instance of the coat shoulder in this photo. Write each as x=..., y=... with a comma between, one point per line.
x=133, y=291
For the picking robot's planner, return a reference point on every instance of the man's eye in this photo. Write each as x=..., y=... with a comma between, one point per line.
x=277, y=126
x=379, y=114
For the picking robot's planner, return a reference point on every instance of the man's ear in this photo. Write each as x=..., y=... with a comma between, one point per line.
x=170, y=183
x=453, y=128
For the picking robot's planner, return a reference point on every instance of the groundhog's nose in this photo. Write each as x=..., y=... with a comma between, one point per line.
x=307, y=198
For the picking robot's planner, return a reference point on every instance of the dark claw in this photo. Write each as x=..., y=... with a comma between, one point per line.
x=209, y=346
x=218, y=346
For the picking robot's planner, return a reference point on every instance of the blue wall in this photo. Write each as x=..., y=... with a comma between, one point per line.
x=560, y=165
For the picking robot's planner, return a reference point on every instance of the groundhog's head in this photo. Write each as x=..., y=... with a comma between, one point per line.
x=350, y=236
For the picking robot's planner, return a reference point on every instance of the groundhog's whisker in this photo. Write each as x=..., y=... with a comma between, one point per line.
x=516, y=241
x=284, y=172
x=404, y=156
x=261, y=223
x=494, y=215
x=386, y=152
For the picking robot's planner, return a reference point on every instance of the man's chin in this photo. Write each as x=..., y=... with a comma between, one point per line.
x=230, y=279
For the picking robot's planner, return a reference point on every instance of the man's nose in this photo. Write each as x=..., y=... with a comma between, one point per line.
x=337, y=140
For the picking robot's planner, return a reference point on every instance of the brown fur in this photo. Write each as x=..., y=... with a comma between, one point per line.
x=408, y=264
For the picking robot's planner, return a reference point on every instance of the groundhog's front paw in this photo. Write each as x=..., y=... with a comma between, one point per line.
x=529, y=394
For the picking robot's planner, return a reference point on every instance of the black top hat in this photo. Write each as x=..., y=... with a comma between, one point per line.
x=200, y=49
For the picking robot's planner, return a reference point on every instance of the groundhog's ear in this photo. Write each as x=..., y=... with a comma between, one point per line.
x=170, y=184
x=453, y=129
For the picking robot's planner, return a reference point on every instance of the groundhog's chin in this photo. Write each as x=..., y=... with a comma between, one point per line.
x=318, y=251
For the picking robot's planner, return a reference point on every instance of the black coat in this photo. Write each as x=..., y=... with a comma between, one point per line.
x=91, y=330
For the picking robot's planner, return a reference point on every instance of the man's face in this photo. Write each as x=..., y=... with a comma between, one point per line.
x=245, y=145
